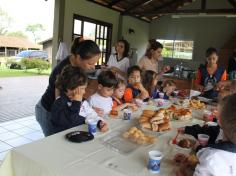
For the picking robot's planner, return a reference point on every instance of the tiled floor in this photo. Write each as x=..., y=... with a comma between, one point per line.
x=18, y=132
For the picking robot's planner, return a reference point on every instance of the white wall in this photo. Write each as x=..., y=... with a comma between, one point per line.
x=139, y=39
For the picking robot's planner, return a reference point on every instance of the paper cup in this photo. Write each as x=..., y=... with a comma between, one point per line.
x=92, y=126
x=203, y=139
x=127, y=114
x=161, y=95
x=207, y=115
x=160, y=102
x=154, y=162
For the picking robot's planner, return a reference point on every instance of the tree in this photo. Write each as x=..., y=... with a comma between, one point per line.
x=5, y=21
x=19, y=34
x=34, y=29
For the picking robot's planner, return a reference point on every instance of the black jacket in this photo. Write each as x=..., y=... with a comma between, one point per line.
x=65, y=114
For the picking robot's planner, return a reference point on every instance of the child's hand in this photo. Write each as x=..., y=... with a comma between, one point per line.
x=103, y=126
x=99, y=111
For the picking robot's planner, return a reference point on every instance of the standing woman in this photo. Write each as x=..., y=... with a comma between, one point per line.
x=119, y=62
x=210, y=74
x=152, y=56
x=84, y=54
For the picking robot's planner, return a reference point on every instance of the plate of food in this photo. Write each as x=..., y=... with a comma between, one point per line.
x=182, y=114
x=184, y=142
x=196, y=104
x=155, y=121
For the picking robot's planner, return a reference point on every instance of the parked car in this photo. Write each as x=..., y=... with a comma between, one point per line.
x=28, y=54
x=31, y=54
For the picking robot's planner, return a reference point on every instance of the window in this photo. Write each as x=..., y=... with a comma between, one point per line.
x=177, y=49
x=98, y=31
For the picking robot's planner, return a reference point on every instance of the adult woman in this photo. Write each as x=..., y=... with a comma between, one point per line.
x=84, y=54
x=119, y=62
x=210, y=74
x=152, y=55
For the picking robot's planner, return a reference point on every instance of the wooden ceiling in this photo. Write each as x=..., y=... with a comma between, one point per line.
x=149, y=10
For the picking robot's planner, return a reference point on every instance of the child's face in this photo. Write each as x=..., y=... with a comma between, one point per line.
x=170, y=88
x=105, y=91
x=119, y=92
x=134, y=77
x=78, y=91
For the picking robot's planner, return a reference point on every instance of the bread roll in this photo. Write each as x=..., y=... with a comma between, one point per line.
x=164, y=126
x=156, y=118
x=146, y=125
x=148, y=113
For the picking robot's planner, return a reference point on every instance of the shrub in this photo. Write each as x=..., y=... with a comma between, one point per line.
x=39, y=64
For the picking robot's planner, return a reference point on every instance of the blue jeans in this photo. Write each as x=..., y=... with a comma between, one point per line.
x=43, y=117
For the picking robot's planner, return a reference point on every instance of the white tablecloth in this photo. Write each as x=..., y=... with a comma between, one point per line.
x=55, y=156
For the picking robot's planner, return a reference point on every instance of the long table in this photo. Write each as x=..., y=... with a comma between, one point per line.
x=55, y=156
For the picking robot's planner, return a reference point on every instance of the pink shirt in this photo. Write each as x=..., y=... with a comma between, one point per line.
x=147, y=64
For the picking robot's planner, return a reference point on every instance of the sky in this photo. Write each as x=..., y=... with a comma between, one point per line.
x=24, y=12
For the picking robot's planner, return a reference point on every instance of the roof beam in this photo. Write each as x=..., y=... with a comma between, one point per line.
x=113, y=3
x=203, y=4
x=233, y=3
x=134, y=7
x=192, y=11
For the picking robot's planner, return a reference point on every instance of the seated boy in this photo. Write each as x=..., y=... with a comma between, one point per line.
x=135, y=88
x=102, y=100
x=218, y=158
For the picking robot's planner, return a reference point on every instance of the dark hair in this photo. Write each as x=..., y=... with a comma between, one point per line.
x=152, y=45
x=70, y=78
x=85, y=48
x=169, y=82
x=133, y=69
x=228, y=117
x=107, y=79
x=126, y=49
x=147, y=80
x=210, y=51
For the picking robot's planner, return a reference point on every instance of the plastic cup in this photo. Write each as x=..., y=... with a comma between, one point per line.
x=176, y=92
x=161, y=95
x=127, y=114
x=154, y=162
x=160, y=102
x=203, y=139
x=92, y=126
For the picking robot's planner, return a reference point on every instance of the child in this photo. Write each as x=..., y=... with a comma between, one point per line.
x=167, y=90
x=135, y=88
x=220, y=155
x=102, y=98
x=66, y=109
x=150, y=79
x=117, y=97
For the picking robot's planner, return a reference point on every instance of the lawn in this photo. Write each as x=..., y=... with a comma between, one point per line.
x=5, y=72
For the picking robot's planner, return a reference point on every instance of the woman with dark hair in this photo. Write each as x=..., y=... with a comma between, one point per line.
x=210, y=74
x=119, y=62
x=152, y=56
x=84, y=54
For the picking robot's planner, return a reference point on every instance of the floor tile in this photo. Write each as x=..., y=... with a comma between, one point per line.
x=35, y=127
x=7, y=135
x=2, y=155
x=28, y=122
x=4, y=147
x=24, y=131
x=6, y=123
x=34, y=136
x=2, y=130
x=13, y=126
x=18, y=141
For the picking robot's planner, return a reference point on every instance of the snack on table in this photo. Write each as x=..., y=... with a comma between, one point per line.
x=185, y=143
x=192, y=161
x=137, y=136
x=113, y=113
x=155, y=120
x=182, y=114
x=196, y=104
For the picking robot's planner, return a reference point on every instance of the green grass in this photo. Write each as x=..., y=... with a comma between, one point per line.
x=5, y=72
